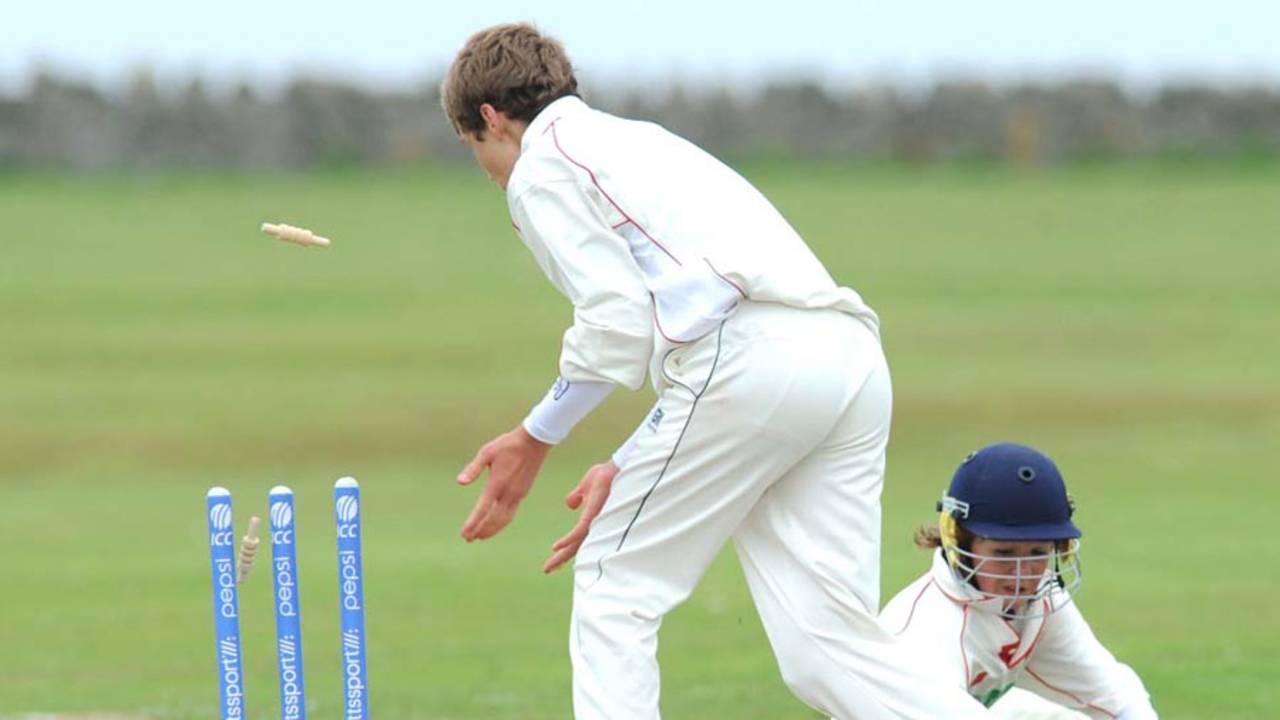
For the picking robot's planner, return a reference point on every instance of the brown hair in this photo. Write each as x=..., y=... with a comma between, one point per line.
x=512, y=67
x=929, y=537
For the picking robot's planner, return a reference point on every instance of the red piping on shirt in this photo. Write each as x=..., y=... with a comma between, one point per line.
x=658, y=324
x=735, y=285
x=1044, y=622
x=913, y=607
x=1078, y=701
x=556, y=139
x=956, y=600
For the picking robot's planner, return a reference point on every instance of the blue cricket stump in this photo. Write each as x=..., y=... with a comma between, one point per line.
x=284, y=581
x=346, y=503
x=226, y=603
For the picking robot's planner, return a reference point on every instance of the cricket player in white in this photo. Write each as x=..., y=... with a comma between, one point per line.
x=994, y=613
x=773, y=397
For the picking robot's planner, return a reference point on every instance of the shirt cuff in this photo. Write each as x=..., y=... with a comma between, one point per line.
x=564, y=405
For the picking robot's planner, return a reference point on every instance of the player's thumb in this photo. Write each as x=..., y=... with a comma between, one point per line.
x=574, y=498
x=474, y=468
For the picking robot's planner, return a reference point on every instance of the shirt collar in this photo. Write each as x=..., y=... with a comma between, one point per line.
x=562, y=107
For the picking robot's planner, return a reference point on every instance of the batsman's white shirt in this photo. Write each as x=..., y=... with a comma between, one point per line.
x=1056, y=656
x=770, y=428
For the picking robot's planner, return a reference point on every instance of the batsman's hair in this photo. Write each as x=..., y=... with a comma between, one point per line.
x=929, y=537
x=513, y=67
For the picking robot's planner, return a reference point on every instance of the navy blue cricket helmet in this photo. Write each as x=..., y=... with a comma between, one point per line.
x=1008, y=491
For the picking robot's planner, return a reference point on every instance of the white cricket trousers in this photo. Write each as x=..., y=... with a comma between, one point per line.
x=772, y=433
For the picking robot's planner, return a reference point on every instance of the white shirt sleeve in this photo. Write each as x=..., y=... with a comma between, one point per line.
x=1072, y=668
x=611, y=339
x=564, y=405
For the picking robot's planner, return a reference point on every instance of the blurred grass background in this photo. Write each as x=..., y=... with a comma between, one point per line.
x=152, y=343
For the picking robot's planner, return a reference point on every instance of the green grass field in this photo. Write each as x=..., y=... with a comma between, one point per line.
x=153, y=344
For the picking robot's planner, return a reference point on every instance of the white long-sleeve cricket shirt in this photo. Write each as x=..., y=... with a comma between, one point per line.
x=652, y=239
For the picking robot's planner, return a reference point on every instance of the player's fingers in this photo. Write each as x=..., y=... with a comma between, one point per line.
x=481, y=509
x=574, y=536
x=554, y=562
x=498, y=517
x=560, y=557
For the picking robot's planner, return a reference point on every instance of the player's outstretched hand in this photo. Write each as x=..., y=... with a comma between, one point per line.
x=513, y=459
x=590, y=495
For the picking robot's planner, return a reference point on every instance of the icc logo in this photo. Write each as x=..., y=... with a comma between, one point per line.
x=281, y=515
x=220, y=516
x=281, y=522
x=348, y=508
x=348, y=511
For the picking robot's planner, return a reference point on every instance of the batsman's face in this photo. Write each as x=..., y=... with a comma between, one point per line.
x=1013, y=568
